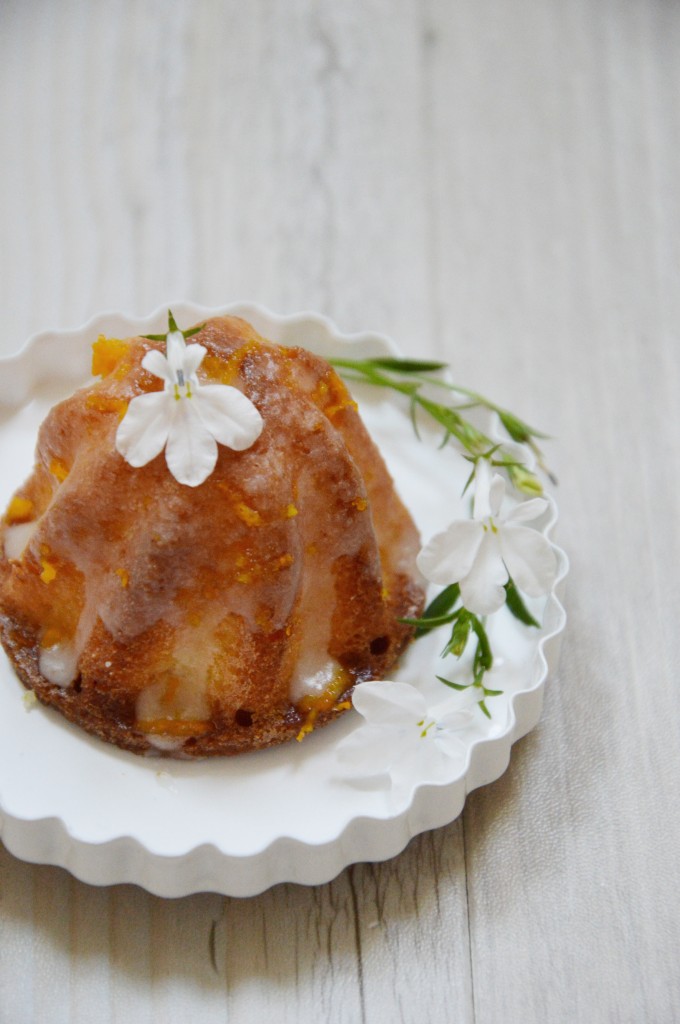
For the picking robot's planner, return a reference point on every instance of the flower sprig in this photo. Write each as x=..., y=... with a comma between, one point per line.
x=484, y=563
x=414, y=379
x=445, y=610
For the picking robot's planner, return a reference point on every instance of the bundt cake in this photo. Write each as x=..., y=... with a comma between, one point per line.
x=213, y=615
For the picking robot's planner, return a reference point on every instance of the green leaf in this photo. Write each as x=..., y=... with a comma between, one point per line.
x=406, y=365
x=467, y=483
x=483, y=655
x=193, y=330
x=405, y=387
x=436, y=613
x=516, y=428
x=389, y=363
x=459, y=635
x=448, y=417
x=484, y=708
x=443, y=602
x=523, y=479
x=172, y=326
x=413, y=412
x=433, y=622
x=517, y=606
x=454, y=686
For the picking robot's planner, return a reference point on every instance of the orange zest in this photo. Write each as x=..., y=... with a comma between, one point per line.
x=106, y=354
x=123, y=576
x=315, y=703
x=49, y=571
x=59, y=469
x=107, y=403
x=331, y=396
x=20, y=510
x=248, y=515
x=225, y=370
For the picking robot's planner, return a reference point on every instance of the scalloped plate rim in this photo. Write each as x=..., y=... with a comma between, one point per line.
x=37, y=839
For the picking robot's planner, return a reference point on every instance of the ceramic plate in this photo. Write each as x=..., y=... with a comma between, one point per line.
x=239, y=825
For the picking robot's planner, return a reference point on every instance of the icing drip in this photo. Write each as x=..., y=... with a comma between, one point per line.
x=314, y=674
x=17, y=538
x=165, y=743
x=58, y=664
x=171, y=711
x=323, y=544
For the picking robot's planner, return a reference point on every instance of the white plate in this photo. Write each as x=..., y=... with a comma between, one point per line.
x=239, y=825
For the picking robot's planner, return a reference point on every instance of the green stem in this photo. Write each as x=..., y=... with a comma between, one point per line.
x=483, y=654
x=377, y=372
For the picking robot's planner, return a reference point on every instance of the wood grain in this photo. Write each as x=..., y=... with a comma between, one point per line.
x=492, y=183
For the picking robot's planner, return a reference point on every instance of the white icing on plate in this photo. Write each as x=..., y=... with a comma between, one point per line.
x=239, y=825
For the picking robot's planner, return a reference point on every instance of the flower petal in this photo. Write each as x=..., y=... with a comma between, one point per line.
x=191, y=452
x=450, y=555
x=229, y=415
x=496, y=493
x=389, y=703
x=450, y=717
x=175, y=347
x=446, y=740
x=156, y=363
x=527, y=510
x=530, y=559
x=192, y=359
x=482, y=589
x=422, y=761
x=480, y=505
x=143, y=431
x=369, y=750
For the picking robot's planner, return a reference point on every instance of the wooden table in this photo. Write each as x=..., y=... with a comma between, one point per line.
x=493, y=183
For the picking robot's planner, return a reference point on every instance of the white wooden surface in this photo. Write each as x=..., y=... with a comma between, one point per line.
x=492, y=182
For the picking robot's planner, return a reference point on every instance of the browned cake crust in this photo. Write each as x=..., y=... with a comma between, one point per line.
x=193, y=616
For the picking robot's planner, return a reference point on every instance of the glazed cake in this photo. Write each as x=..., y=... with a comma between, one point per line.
x=217, y=617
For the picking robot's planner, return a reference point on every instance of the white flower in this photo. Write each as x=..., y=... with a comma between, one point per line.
x=400, y=735
x=186, y=418
x=480, y=553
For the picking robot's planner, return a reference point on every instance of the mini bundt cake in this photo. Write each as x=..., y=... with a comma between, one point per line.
x=223, y=616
